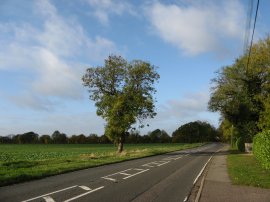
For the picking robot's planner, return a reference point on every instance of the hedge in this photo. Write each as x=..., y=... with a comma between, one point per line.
x=261, y=148
x=240, y=144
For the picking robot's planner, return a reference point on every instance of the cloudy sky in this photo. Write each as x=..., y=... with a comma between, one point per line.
x=46, y=45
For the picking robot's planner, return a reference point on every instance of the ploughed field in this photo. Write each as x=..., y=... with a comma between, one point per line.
x=24, y=162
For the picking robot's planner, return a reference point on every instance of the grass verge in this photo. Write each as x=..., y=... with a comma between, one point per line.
x=244, y=169
x=19, y=163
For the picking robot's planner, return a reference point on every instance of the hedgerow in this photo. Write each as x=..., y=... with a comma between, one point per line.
x=240, y=144
x=261, y=148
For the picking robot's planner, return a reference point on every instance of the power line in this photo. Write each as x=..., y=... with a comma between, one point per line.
x=251, y=42
x=248, y=23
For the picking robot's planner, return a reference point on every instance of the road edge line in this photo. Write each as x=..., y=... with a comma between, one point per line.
x=198, y=196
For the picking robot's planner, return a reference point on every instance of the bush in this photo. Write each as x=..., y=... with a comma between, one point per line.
x=261, y=148
x=240, y=144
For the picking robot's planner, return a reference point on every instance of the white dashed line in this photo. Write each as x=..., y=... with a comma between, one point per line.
x=111, y=179
x=48, y=199
x=172, y=158
x=136, y=174
x=31, y=199
x=155, y=163
x=81, y=195
x=85, y=188
x=125, y=173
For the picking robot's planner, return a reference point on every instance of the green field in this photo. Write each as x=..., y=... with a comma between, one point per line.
x=20, y=163
x=244, y=169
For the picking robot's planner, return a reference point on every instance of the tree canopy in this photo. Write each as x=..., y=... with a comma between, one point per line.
x=123, y=94
x=241, y=92
x=196, y=131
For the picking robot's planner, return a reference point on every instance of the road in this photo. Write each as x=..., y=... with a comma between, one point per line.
x=167, y=177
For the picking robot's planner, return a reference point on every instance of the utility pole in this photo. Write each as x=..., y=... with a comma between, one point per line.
x=232, y=136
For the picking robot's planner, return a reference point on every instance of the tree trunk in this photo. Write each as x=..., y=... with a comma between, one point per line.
x=121, y=143
x=120, y=146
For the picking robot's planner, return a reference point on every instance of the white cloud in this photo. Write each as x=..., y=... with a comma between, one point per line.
x=103, y=9
x=176, y=112
x=198, y=27
x=49, y=52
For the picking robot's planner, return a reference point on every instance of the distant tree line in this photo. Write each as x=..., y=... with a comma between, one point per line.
x=188, y=133
x=55, y=138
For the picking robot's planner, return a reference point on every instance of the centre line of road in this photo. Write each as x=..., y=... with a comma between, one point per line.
x=81, y=195
x=31, y=199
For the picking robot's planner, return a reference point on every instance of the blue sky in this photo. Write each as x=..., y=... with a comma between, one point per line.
x=45, y=47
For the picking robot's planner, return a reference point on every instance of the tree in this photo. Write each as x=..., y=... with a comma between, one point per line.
x=122, y=93
x=29, y=137
x=45, y=139
x=155, y=136
x=92, y=139
x=264, y=121
x=133, y=137
x=59, y=138
x=195, y=132
x=165, y=138
x=240, y=93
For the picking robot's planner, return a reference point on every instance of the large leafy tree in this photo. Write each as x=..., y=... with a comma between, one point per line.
x=240, y=91
x=196, y=131
x=122, y=93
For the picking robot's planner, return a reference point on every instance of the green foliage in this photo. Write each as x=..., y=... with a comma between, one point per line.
x=240, y=144
x=261, y=148
x=264, y=122
x=195, y=132
x=59, y=138
x=122, y=93
x=159, y=136
x=45, y=139
x=226, y=129
x=239, y=93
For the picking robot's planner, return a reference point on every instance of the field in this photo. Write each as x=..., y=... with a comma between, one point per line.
x=20, y=163
x=244, y=169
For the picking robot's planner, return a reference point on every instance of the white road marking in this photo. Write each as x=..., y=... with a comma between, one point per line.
x=81, y=195
x=155, y=163
x=165, y=162
x=172, y=158
x=202, y=170
x=111, y=179
x=31, y=199
x=136, y=174
x=124, y=172
x=85, y=188
x=48, y=199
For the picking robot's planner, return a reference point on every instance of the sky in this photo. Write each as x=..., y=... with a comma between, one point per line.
x=46, y=46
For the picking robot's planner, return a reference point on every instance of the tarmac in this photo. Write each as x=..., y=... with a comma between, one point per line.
x=216, y=185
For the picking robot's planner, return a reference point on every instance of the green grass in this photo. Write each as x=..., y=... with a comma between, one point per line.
x=244, y=169
x=20, y=163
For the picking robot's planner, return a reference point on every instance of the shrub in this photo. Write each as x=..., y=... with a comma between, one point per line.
x=261, y=148
x=240, y=144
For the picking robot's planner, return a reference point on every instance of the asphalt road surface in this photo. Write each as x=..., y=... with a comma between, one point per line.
x=168, y=177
